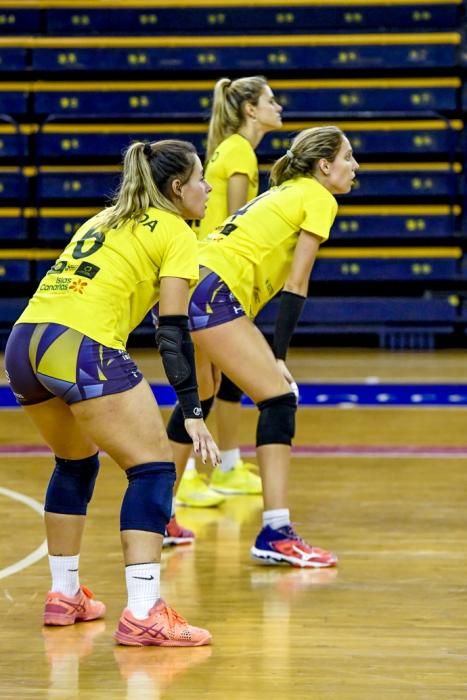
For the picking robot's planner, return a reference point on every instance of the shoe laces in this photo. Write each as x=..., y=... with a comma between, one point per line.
x=200, y=477
x=240, y=464
x=289, y=531
x=174, y=617
x=89, y=594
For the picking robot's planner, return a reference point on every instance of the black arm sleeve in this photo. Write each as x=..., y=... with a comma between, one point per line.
x=175, y=345
x=290, y=309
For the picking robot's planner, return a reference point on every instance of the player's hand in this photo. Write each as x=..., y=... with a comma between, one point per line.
x=288, y=377
x=203, y=442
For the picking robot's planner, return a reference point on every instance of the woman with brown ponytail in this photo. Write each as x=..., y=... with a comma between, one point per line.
x=267, y=246
x=68, y=366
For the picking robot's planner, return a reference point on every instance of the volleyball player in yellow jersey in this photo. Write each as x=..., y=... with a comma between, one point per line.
x=67, y=363
x=267, y=246
x=243, y=111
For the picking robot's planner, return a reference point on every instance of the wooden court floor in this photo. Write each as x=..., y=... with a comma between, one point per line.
x=387, y=493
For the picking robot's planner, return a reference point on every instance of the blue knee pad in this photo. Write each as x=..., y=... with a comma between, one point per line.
x=147, y=504
x=276, y=422
x=228, y=391
x=71, y=485
x=176, y=426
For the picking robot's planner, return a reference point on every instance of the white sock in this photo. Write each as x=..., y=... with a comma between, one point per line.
x=280, y=517
x=190, y=465
x=143, y=586
x=172, y=513
x=65, y=574
x=229, y=459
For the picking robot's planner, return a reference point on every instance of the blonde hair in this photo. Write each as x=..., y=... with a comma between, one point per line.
x=308, y=147
x=148, y=172
x=227, y=107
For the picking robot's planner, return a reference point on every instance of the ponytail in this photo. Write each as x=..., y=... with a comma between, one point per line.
x=148, y=172
x=227, y=115
x=308, y=147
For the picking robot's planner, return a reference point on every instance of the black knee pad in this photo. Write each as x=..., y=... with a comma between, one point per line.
x=228, y=391
x=176, y=426
x=147, y=503
x=276, y=422
x=71, y=485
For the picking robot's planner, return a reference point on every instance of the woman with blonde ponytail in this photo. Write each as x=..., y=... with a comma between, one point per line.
x=68, y=366
x=243, y=111
x=266, y=247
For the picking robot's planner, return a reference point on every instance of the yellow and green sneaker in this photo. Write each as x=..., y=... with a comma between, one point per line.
x=239, y=480
x=195, y=492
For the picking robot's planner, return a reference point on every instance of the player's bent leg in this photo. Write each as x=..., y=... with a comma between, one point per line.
x=192, y=489
x=252, y=366
x=127, y=425
x=146, y=507
x=282, y=545
x=233, y=475
x=69, y=491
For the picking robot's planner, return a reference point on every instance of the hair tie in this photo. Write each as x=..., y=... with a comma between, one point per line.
x=147, y=150
x=289, y=154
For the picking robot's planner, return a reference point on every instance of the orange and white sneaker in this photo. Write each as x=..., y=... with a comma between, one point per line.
x=285, y=546
x=162, y=628
x=176, y=534
x=61, y=609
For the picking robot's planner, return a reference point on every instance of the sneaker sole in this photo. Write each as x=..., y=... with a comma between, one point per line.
x=236, y=492
x=200, y=503
x=128, y=640
x=63, y=620
x=267, y=557
x=58, y=620
x=173, y=541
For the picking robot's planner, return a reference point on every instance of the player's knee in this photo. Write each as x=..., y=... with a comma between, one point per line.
x=228, y=391
x=176, y=426
x=276, y=423
x=71, y=485
x=147, y=503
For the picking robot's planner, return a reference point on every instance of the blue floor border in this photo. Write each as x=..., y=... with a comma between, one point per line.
x=337, y=394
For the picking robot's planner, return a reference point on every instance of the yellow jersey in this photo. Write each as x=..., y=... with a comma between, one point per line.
x=105, y=282
x=254, y=254
x=233, y=155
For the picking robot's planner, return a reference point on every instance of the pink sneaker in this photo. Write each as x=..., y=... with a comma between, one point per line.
x=66, y=610
x=176, y=534
x=162, y=628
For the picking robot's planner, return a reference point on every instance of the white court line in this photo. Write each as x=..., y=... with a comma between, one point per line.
x=40, y=551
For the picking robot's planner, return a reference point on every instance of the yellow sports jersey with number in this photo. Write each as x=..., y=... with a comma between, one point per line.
x=234, y=155
x=104, y=283
x=255, y=253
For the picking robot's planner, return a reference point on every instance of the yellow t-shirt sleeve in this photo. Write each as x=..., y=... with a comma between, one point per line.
x=241, y=160
x=181, y=256
x=319, y=217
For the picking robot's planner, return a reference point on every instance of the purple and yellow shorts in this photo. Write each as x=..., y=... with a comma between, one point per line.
x=212, y=303
x=47, y=360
